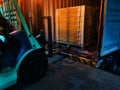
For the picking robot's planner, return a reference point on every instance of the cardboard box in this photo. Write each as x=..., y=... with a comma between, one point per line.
x=76, y=25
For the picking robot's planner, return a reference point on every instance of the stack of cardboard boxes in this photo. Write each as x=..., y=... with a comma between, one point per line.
x=75, y=25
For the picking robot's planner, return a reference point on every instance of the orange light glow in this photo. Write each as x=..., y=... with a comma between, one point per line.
x=19, y=2
x=0, y=3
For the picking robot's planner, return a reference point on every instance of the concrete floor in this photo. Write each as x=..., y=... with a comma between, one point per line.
x=68, y=74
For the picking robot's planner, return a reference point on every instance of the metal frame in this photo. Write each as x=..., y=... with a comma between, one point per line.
x=49, y=42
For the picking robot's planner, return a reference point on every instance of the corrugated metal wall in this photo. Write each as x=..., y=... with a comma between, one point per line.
x=42, y=8
x=33, y=13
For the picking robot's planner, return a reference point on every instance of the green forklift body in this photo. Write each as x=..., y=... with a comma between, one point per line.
x=9, y=76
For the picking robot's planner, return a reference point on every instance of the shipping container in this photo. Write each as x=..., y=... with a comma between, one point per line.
x=95, y=29
x=91, y=25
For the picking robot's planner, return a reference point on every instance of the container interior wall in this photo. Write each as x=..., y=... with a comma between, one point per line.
x=52, y=5
x=43, y=8
x=33, y=13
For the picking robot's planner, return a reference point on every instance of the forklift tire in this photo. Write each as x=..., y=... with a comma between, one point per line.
x=33, y=67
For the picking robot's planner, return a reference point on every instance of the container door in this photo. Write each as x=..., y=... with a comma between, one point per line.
x=111, y=31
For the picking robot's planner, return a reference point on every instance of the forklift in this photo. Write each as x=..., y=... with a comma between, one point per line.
x=21, y=55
